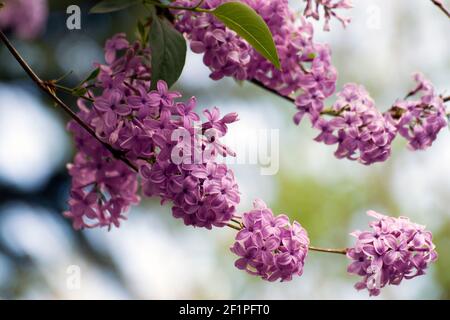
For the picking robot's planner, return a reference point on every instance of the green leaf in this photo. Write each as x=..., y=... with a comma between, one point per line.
x=142, y=32
x=93, y=75
x=168, y=48
x=249, y=25
x=79, y=92
x=107, y=6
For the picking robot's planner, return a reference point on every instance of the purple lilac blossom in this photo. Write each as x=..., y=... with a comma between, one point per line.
x=363, y=133
x=269, y=246
x=329, y=6
x=358, y=128
x=395, y=249
x=419, y=121
x=141, y=124
x=26, y=18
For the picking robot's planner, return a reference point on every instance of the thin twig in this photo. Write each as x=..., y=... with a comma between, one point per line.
x=338, y=251
x=440, y=5
x=49, y=91
x=263, y=86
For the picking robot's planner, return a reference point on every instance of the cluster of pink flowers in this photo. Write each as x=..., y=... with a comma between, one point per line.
x=363, y=133
x=419, y=121
x=269, y=246
x=26, y=18
x=305, y=65
x=329, y=10
x=175, y=153
x=357, y=127
x=395, y=249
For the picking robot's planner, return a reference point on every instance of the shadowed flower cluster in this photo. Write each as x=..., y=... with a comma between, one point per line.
x=26, y=18
x=395, y=249
x=269, y=246
x=176, y=154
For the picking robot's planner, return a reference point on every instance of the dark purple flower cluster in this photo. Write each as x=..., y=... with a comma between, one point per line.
x=175, y=152
x=26, y=18
x=269, y=246
x=395, y=249
x=357, y=127
x=329, y=7
x=419, y=121
x=305, y=65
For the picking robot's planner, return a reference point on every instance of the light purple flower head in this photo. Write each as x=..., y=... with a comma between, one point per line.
x=269, y=246
x=26, y=18
x=395, y=249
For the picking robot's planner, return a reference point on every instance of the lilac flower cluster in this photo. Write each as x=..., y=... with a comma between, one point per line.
x=305, y=65
x=395, y=249
x=26, y=18
x=269, y=246
x=176, y=155
x=357, y=127
x=363, y=133
x=419, y=121
x=329, y=6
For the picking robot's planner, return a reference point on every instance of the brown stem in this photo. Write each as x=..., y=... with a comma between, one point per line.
x=50, y=92
x=338, y=251
x=441, y=6
x=262, y=86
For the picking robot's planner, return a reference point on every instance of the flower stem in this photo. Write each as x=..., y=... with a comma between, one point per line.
x=47, y=88
x=232, y=226
x=338, y=251
x=70, y=91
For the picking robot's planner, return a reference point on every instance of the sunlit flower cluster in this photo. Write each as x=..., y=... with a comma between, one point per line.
x=270, y=246
x=395, y=249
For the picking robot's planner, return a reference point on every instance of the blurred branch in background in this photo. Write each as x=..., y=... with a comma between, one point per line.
x=441, y=6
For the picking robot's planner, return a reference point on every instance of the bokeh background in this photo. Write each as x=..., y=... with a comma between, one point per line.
x=155, y=256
